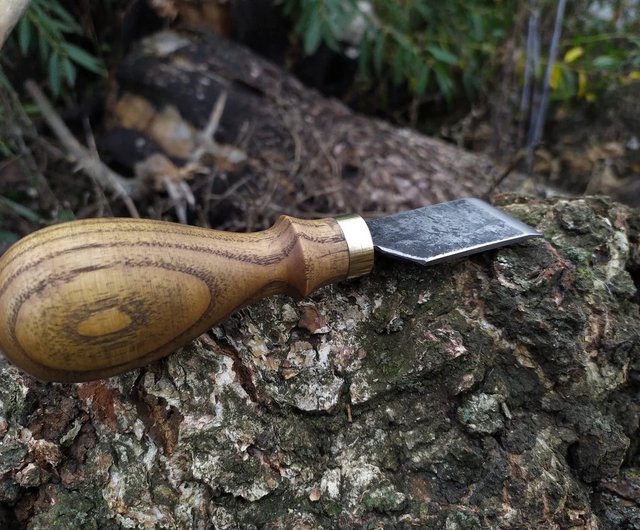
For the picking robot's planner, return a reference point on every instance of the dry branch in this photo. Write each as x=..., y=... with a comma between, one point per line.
x=85, y=159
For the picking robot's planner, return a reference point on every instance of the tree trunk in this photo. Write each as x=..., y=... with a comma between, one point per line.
x=305, y=155
x=500, y=391
x=497, y=392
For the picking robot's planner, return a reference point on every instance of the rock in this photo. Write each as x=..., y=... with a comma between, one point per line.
x=500, y=391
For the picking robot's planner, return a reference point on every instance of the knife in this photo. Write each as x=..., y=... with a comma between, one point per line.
x=93, y=298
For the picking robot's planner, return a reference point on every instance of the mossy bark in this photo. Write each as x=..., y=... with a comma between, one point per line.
x=500, y=391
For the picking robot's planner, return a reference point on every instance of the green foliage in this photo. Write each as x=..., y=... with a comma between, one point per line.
x=19, y=209
x=600, y=50
x=430, y=47
x=8, y=237
x=594, y=64
x=47, y=29
x=321, y=20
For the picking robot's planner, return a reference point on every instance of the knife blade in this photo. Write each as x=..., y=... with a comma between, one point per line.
x=93, y=298
x=446, y=231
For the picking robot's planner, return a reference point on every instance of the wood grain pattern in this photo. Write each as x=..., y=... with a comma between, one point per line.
x=93, y=298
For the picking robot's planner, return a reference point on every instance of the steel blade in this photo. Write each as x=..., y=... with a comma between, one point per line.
x=446, y=231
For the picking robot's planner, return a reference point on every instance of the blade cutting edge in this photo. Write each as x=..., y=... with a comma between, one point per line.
x=447, y=231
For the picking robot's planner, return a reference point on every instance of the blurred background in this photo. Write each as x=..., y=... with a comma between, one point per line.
x=549, y=90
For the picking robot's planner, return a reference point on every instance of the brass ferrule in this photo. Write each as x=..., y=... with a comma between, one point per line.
x=356, y=234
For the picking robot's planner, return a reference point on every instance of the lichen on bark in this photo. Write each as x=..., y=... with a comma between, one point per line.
x=499, y=391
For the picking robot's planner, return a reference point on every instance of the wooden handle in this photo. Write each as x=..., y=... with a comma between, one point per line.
x=93, y=298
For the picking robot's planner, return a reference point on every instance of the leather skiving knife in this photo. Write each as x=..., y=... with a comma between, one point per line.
x=93, y=298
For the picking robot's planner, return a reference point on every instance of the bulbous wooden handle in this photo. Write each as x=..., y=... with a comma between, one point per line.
x=93, y=298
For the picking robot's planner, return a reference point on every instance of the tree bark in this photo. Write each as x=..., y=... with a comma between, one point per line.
x=500, y=391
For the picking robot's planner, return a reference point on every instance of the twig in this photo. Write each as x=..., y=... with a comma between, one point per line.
x=229, y=191
x=179, y=192
x=531, y=65
x=206, y=142
x=177, y=199
x=99, y=191
x=19, y=128
x=541, y=113
x=216, y=115
x=90, y=163
x=297, y=141
x=333, y=163
x=511, y=165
